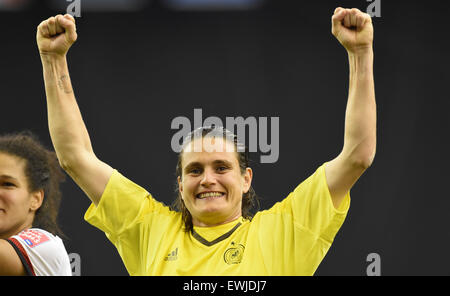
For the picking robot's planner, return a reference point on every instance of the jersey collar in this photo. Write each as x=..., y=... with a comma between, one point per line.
x=224, y=236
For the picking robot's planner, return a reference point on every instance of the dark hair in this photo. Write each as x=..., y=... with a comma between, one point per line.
x=249, y=199
x=42, y=171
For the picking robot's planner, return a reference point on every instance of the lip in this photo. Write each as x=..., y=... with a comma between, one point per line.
x=210, y=197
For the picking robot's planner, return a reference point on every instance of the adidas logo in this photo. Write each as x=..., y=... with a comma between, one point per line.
x=172, y=256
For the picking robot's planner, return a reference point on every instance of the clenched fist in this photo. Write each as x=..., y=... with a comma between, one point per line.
x=56, y=35
x=353, y=29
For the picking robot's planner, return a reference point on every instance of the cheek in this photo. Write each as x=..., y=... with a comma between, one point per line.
x=6, y=198
x=236, y=182
x=14, y=200
x=187, y=188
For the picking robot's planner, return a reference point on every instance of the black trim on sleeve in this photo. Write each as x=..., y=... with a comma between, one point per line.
x=22, y=258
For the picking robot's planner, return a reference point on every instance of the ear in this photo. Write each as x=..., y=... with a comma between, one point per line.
x=37, y=198
x=248, y=176
x=180, y=186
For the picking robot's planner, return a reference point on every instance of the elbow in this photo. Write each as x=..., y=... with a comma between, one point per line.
x=65, y=163
x=363, y=161
x=360, y=155
x=70, y=162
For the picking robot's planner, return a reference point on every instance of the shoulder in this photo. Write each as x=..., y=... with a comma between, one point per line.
x=310, y=201
x=121, y=187
x=122, y=192
x=308, y=190
x=34, y=237
x=44, y=252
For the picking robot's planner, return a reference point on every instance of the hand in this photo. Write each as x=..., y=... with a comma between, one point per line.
x=56, y=35
x=353, y=29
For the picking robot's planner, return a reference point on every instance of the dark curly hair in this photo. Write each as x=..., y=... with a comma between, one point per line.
x=250, y=200
x=42, y=171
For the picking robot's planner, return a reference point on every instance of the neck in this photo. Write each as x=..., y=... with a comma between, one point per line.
x=205, y=223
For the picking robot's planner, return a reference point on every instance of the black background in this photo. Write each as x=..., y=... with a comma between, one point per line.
x=135, y=72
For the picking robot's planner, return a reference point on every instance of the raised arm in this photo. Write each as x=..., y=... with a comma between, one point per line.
x=67, y=130
x=354, y=31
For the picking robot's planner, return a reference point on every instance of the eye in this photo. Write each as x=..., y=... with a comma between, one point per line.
x=8, y=184
x=194, y=171
x=222, y=168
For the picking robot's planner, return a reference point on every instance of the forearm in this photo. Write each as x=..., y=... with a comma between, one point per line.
x=360, y=117
x=67, y=129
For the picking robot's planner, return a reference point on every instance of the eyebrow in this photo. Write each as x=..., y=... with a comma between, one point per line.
x=215, y=162
x=8, y=177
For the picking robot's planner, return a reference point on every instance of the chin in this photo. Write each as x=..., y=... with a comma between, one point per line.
x=212, y=211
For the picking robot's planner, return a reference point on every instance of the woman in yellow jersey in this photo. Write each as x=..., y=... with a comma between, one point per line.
x=213, y=232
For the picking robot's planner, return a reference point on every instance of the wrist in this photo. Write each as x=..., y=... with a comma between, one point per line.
x=361, y=52
x=54, y=63
x=52, y=58
x=361, y=62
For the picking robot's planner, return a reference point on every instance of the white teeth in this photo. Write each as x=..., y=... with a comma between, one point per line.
x=210, y=194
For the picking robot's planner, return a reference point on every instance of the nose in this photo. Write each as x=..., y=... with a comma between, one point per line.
x=208, y=178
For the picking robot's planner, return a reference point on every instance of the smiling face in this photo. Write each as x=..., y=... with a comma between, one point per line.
x=212, y=183
x=17, y=204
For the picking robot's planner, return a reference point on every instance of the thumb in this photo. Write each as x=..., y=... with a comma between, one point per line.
x=336, y=19
x=69, y=17
x=338, y=15
x=68, y=23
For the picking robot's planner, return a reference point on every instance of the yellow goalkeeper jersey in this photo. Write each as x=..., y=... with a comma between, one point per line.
x=291, y=238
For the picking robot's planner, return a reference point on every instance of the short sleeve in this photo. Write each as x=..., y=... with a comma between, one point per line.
x=129, y=215
x=303, y=226
x=122, y=205
x=41, y=253
x=311, y=206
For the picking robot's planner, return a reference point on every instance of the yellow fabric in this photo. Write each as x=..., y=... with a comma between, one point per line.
x=291, y=238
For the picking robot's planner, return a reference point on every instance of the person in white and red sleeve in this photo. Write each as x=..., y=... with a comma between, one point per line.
x=29, y=202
